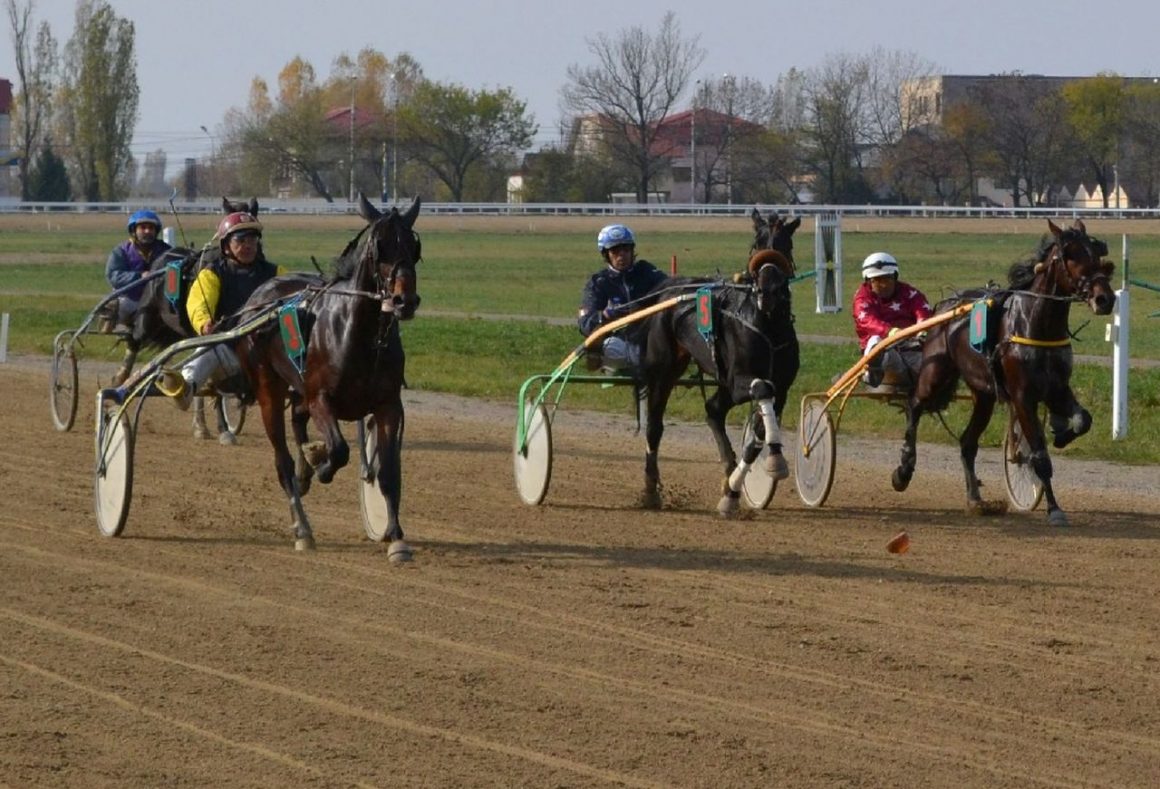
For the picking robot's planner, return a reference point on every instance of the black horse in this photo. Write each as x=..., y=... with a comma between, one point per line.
x=1026, y=362
x=773, y=233
x=353, y=362
x=161, y=318
x=741, y=335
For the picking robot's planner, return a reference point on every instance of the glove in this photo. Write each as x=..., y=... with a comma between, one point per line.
x=614, y=310
x=892, y=332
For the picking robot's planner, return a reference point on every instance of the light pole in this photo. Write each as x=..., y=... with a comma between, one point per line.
x=693, y=147
x=212, y=160
x=728, y=84
x=353, y=82
x=394, y=138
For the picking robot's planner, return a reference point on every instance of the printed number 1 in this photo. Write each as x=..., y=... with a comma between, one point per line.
x=291, y=332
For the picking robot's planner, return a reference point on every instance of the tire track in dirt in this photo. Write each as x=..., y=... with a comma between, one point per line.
x=116, y=700
x=326, y=704
x=815, y=722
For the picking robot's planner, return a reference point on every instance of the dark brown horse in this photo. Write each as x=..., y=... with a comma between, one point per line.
x=1027, y=361
x=741, y=335
x=353, y=363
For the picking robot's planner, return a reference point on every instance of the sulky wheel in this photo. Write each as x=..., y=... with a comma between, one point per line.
x=113, y=490
x=758, y=487
x=533, y=461
x=816, y=455
x=1024, y=489
x=62, y=392
x=232, y=411
x=372, y=502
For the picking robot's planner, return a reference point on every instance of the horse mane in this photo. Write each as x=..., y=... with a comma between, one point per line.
x=759, y=259
x=346, y=262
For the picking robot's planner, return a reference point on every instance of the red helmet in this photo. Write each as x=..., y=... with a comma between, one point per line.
x=236, y=223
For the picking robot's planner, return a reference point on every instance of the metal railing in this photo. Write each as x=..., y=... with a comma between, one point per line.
x=321, y=207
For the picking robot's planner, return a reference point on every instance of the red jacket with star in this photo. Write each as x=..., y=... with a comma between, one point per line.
x=875, y=316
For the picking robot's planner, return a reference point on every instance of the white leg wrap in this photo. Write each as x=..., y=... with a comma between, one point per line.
x=213, y=364
x=772, y=431
x=737, y=478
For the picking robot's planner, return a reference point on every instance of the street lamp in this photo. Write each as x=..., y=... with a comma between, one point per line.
x=693, y=147
x=394, y=138
x=353, y=82
x=212, y=159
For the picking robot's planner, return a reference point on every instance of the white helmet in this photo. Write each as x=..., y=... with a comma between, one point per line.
x=879, y=264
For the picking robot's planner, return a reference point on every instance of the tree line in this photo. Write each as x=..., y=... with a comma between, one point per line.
x=849, y=131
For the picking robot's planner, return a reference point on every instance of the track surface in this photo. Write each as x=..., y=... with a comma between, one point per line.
x=582, y=643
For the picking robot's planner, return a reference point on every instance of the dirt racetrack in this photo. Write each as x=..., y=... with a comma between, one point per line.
x=582, y=643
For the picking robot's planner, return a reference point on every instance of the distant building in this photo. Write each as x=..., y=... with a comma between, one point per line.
x=8, y=159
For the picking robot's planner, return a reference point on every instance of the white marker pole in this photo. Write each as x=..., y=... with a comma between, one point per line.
x=1120, y=357
x=3, y=338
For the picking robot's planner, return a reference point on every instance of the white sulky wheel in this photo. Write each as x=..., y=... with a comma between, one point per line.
x=533, y=465
x=1024, y=489
x=113, y=489
x=758, y=487
x=372, y=502
x=816, y=455
x=62, y=392
x=233, y=412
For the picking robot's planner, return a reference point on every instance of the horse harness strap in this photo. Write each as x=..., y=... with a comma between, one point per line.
x=1039, y=343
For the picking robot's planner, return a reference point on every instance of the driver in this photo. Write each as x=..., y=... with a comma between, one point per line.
x=612, y=292
x=129, y=262
x=220, y=290
x=882, y=306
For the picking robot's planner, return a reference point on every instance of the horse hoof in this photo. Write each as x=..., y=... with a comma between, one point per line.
x=899, y=480
x=304, y=544
x=201, y=434
x=777, y=467
x=399, y=552
x=1057, y=518
x=651, y=500
x=728, y=506
x=314, y=452
x=227, y=439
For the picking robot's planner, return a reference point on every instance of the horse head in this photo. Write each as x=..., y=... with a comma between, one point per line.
x=1073, y=263
x=773, y=233
x=250, y=208
x=770, y=272
x=389, y=253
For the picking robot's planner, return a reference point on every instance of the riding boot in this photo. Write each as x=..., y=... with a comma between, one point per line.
x=620, y=355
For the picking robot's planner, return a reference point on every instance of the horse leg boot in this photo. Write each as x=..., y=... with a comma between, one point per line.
x=200, y=429
x=126, y=367
x=1041, y=465
x=653, y=431
x=775, y=464
x=730, y=501
x=1069, y=422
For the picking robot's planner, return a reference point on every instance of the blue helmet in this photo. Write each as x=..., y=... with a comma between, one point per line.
x=146, y=216
x=614, y=236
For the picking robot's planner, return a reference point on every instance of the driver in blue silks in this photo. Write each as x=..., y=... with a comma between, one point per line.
x=610, y=294
x=129, y=262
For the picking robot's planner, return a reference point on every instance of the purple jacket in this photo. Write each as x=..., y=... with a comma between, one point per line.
x=126, y=264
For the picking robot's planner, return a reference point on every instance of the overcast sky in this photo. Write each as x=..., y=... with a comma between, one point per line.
x=196, y=58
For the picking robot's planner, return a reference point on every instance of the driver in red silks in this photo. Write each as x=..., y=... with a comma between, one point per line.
x=882, y=306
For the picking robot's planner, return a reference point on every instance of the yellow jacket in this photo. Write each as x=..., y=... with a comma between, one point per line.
x=222, y=288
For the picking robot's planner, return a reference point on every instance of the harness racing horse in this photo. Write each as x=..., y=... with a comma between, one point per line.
x=740, y=335
x=161, y=318
x=1029, y=360
x=353, y=363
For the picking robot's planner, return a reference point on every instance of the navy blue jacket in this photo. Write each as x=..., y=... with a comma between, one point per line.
x=610, y=285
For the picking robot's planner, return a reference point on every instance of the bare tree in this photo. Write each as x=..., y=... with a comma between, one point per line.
x=837, y=127
x=36, y=72
x=732, y=114
x=632, y=88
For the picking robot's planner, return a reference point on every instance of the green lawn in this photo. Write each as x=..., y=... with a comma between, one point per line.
x=50, y=280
